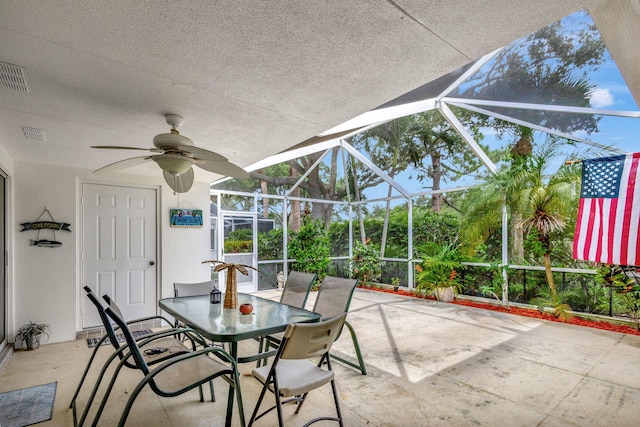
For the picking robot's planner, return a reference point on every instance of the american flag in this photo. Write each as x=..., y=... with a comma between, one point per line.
x=609, y=212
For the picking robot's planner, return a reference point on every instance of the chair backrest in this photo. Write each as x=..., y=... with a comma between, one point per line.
x=103, y=316
x=310, y=340
x=131, y=342
x=193, y=289
x=334, y=296
x=296, y=288
x=113, y=305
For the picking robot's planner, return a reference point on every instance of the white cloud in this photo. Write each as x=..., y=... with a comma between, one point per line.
x=601, y=98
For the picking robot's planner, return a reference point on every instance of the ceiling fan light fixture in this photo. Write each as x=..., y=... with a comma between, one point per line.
x=173, y=163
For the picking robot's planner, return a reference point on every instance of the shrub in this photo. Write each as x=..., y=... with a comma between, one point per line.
x=365, y=265
x=310, y=247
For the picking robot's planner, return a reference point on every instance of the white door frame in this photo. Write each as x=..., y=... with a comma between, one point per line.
x=80, y=293
x=254, y=256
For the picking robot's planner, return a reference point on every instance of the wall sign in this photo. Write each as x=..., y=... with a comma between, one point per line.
x=186, y=218
x=51, y=226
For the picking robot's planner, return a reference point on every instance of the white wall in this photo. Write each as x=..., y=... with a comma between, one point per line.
x=45, y=281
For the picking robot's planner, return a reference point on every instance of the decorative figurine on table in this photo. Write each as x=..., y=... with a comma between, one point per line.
x=231, y=291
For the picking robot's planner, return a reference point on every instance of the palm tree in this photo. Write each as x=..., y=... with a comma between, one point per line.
x=537, y=202
x=231, y=290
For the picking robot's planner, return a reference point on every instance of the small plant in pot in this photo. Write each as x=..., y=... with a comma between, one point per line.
x=439, y=274
x=395, y=282
x=29, y=335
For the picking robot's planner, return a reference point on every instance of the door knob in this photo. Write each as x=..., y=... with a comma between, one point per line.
x=152, y=263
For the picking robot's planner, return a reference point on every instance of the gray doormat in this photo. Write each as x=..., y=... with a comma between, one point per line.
x=27, y=406
x=92, y=342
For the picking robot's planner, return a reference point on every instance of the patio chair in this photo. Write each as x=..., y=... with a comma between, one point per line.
x=163, y=340
x=192, y=289
x=184, y=289
x=176, y=375
x=334, y=297
x=295, y=293
x=292, y=375
x=111, y=336
x=296, y=288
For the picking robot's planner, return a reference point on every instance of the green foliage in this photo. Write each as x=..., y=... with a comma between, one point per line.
x=365, y=265
x=30, y=334
x=624, y=281
x=555, y=301
x=238, y=246
x=440, y=269
x=270, y=244
x=339, y=238
x=241, y=234
x=310, y=247
x=432, y=229
x=239, y=241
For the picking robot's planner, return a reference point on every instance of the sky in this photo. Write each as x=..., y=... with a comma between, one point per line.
x=610, y=93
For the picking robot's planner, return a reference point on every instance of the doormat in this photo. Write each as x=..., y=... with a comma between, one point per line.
x=92, y=342
x=27, y=406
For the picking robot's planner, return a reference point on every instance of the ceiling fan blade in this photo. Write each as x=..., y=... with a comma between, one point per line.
x=201, y=153
x=118, y=147
x=133, y=161
x=179, y=183
x=222, y=167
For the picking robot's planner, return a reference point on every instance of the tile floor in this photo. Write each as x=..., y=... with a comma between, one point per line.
x=429, y=364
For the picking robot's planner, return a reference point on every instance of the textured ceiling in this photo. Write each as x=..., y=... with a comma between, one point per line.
x=251, y=78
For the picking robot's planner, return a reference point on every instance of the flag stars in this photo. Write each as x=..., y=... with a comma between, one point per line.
x=601, y=177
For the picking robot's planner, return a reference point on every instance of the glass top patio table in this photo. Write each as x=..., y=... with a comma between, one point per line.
x=229, y=325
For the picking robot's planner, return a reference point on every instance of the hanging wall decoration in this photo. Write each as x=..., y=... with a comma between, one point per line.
x=186, y=218
x=40, y=224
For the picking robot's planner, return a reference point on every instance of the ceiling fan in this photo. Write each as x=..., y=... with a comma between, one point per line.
x=177, y=155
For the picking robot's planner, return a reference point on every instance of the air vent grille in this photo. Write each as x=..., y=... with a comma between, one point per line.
x=34, y=134
x=13, y=77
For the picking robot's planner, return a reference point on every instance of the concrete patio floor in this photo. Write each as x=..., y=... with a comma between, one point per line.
x=429, y=364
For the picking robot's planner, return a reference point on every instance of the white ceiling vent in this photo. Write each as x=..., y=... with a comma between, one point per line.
x=13, y=77
x=34, y=134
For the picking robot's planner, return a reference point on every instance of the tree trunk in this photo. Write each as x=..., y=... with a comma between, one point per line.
x=385, y=226
x=356, y=189
x=523, y=146
x=231, y=291
x=294, y=217
x=436, y=164
x=549, y=273
x=265, y=200
x=517, y=239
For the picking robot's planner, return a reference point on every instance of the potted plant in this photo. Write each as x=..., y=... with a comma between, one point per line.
x=438, y=274
x=30, y=334
x=395, y=282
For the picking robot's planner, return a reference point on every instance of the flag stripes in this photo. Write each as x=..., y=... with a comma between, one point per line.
x=609, y=211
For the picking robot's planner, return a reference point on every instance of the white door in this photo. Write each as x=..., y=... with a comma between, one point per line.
x=119, y=249
x=240, y=247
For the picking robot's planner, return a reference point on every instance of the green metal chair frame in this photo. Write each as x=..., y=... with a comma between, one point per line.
x=156, y=378
x=292, y=375
x=165, y=339
x=334, y=297
x=162, y=339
